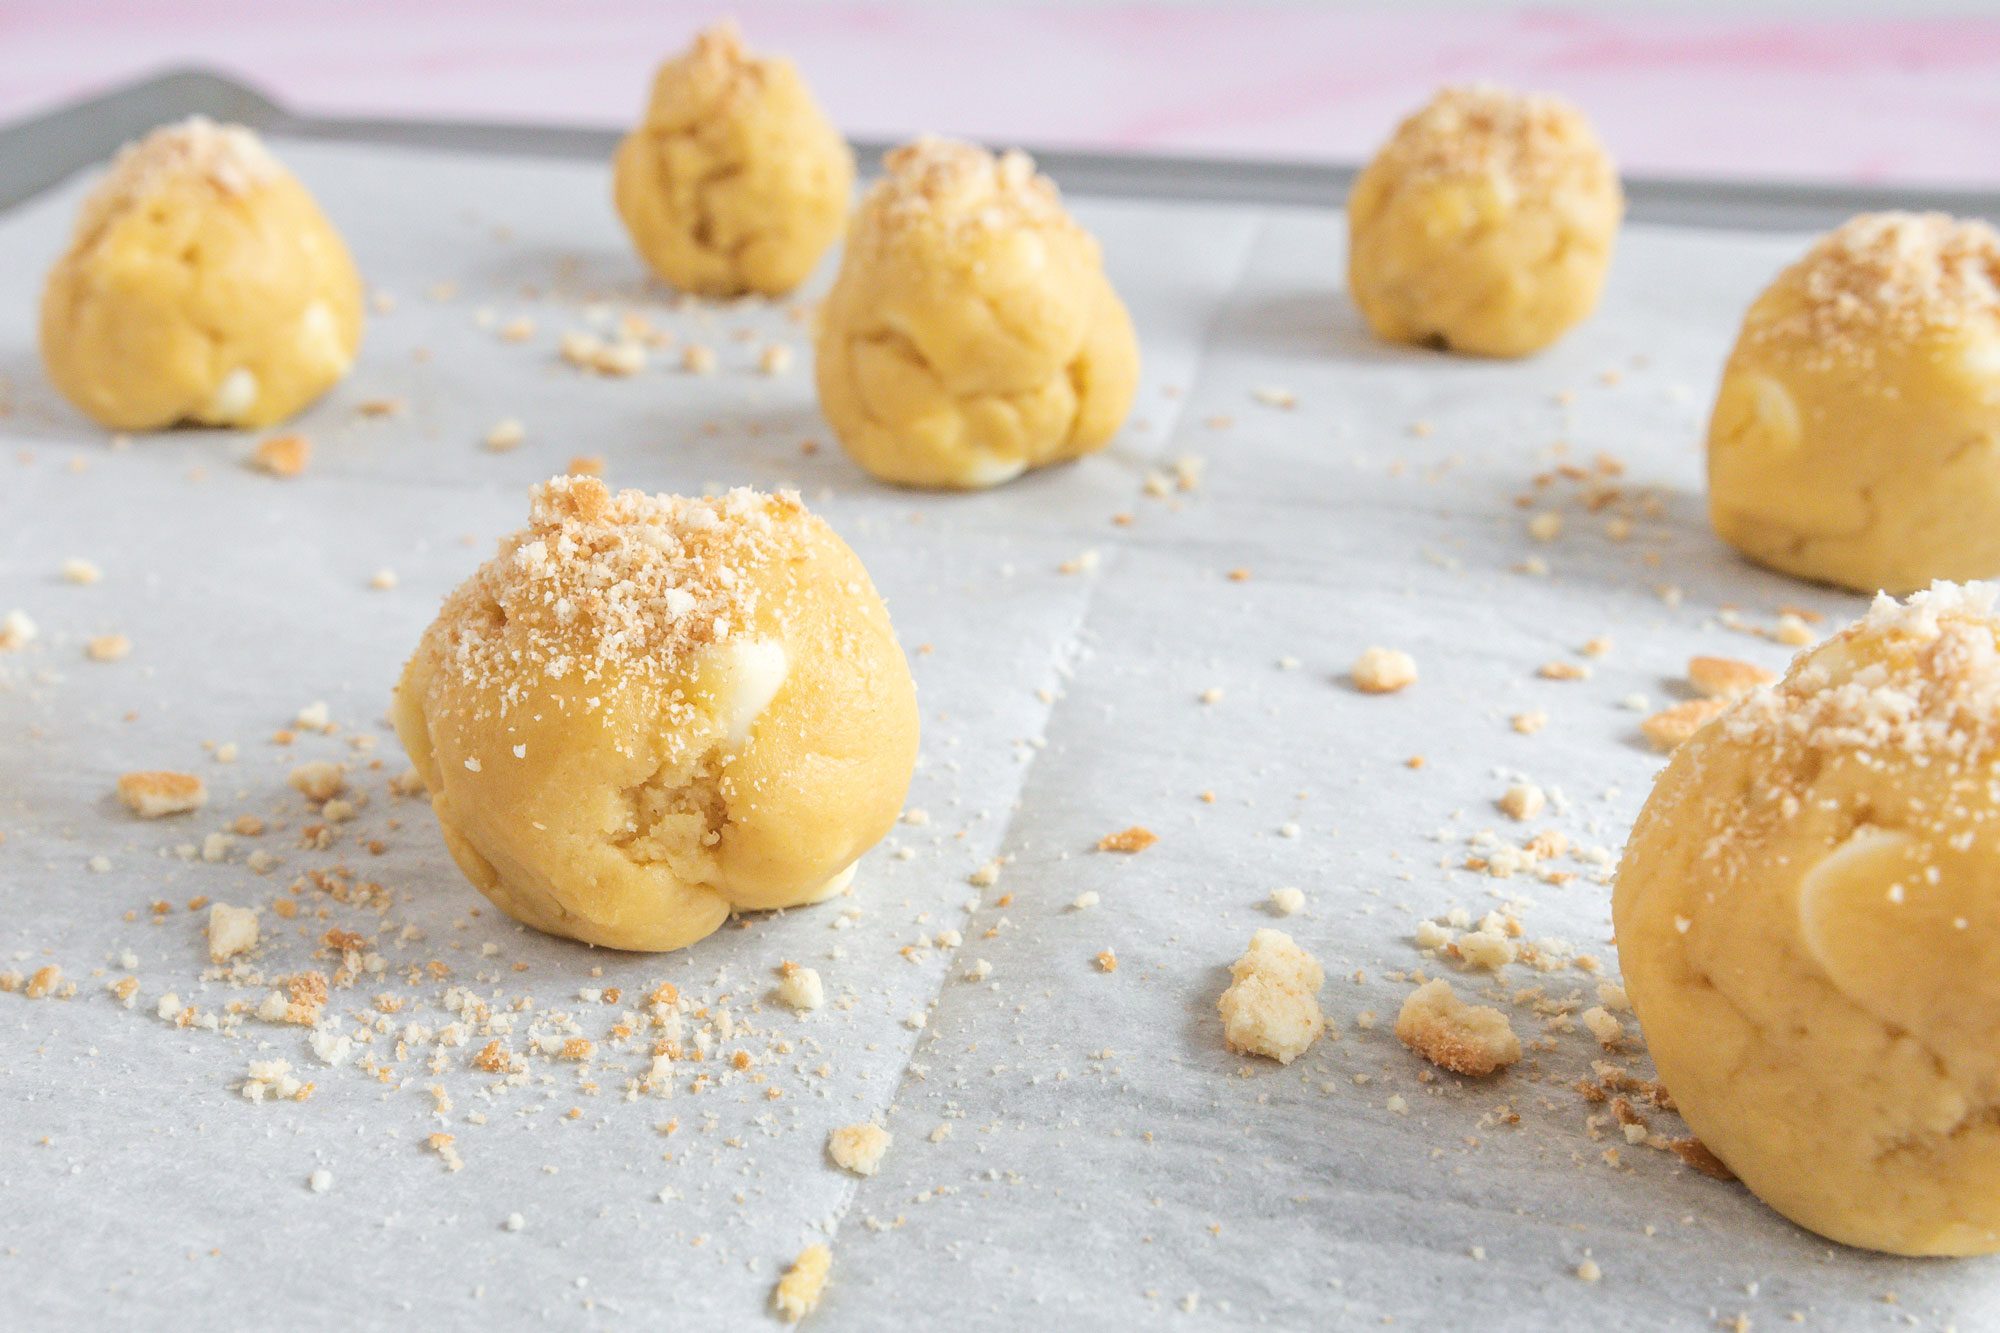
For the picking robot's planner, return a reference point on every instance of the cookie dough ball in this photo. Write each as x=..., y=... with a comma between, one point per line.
x=1856, y=433
x=972, y=333
x=1808, y=918
x=648, y=712
x=735, y=181
x=203, y=286
x=1484, y=225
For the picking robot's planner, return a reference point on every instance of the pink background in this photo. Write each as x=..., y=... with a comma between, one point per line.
x=1738, y=93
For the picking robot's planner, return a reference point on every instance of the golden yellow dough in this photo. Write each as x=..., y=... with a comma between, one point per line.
x=1856, y=436
x=972, y=333
x=1808, y=919
x=1484, y=225
x=735, y=180
x=203, y=286
x=647, y=712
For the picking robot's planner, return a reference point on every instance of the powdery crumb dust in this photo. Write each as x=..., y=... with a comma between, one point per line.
x=800, y=987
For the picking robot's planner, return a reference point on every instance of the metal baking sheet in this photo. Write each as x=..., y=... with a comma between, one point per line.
x=1071, y=1144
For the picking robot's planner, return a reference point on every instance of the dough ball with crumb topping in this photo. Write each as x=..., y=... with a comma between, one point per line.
x=203, y=286
x=972, y=333
x=1484, y=225
x=1856, y=436
x=1808, y=919
x=735, y=180
x=648, y=712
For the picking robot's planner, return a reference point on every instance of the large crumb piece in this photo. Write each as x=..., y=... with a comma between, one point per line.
x=1451, y=1034
x=1384, y=671
x=1725, y=677
x=1272, y=1005
x=108, y=648
x=1669, y=727
x=1129, y=841
x=16, y=631
x=1523, y=800
x=800, y=987
x=231, y=930
x=319, y=780
x=154, y=794
x=858, y=1148
x=282, y=455
x=799, y=1290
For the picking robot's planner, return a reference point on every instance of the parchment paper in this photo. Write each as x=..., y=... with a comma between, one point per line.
x=1103, y=1161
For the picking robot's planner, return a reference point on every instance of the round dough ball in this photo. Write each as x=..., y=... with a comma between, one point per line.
x=1484, y=225
x=1856, y=436
x=735, y=180
x=647, y=712
x=972, y=333
x=1808, y=919
x=203, y=286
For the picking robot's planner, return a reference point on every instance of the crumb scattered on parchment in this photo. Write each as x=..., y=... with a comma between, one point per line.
x=1272, y=1005
x=282, y=455
x=800, y=987
x=1288, y=901
x=1383, y=671
x=153, y=794
x=231, y=930
x=1523, y=801
x=17, y=631
x=1130, y=841
x=507, y=434
x=1466, y=1039
x=858, y=1148
x=107, y=648
x=798, y=1291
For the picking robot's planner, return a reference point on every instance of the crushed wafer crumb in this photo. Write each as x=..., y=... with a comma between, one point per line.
x=154, y=794
x=107, y=648
x=798, y=1291
x=800, y=987
x=282, y=455
x=1129, y=841
x=858, y=1148
x=231, y=931
x=1271, y=1007
x=1383, y=671
x=1475, y=1040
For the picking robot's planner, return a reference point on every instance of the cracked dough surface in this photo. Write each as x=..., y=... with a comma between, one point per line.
x=1856, y=435
x=1806, y=921
x=735, y=181
x=203, y=285
x=647, y=712
x=972, y=333
x=1484, y=225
